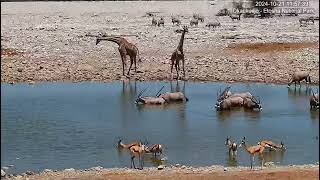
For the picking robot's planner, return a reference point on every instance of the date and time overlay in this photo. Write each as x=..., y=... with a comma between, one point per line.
x=279, y=7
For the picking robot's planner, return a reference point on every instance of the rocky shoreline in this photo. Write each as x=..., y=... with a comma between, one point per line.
x=161, y=172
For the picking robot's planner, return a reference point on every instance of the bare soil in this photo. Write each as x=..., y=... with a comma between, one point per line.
x=56, y=44
x=293, y=173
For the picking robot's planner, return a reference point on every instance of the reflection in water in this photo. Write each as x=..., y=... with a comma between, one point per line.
x=237, y=111
x=314, y=114
x=295, y=93
x=149, y=158
x=232, y=159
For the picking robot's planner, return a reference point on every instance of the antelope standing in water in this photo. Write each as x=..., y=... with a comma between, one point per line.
x=271, y=145
x=232, y=146
x=252, y=150
x=251, y=103
x=127, y=146
x=314, y=100
x=125, y=48
x=174, y=96
x=228, y=103
x=299, y=76
x=139, y=150
x=178, y=55
x=150, y=99
x=155, y=149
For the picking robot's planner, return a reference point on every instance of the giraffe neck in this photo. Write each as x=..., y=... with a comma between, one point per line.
x=112, y=39
x=180, y=46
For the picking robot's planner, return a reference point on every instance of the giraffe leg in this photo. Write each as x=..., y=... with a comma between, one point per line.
x=135, y=64
x=131, y=62
x=184, y=73
x=177, y=70
x=172, y=62
x=123, y=59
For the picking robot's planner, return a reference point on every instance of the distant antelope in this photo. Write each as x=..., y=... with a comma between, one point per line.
x=155, y=149
x=314, y=100
x=228, y=103
x=154, y=22
x=213, y=24
x=161, y=22
x=232, y=146
x=174, y=96
x=233, y=17
x=198, y=17
x=194, y=22
x=175, y=20
x=306, y=20
x=253, y=150
x=125, y=48
x=178, y=55
x=299, y=76
x=271, y=145
x=251, y=103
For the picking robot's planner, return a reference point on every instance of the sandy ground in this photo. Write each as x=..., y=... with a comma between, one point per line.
x=46, y=41
x=302, y=172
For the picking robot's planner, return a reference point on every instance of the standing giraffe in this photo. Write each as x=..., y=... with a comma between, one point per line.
x=125, y=48
x=178, y=55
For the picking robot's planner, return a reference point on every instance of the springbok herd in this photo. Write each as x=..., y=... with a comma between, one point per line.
x=226, y=100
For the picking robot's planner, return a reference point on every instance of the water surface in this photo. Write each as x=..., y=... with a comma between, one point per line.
x=64, y=125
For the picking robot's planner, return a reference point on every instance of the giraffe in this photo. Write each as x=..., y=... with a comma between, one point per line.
x=178, y=55
x=125, y=48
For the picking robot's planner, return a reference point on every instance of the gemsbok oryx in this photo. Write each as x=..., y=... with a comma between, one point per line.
x=251, y=103
x=314, y=100
x=174, y=96
x=228, y=103
x=299, y=76
x=155, y=100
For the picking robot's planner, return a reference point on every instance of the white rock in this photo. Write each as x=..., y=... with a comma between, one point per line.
x=3, y=173
x=161, y=167
x=70, y=169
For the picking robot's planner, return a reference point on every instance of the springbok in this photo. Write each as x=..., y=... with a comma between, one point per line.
x=251, y=103
x=299, y=76
x=253, y=150
x=314, y=100
x=128, y=146
x=157, y=148
x=229, y=102
x=139, y=150
x=232, y=146
x=272, y=145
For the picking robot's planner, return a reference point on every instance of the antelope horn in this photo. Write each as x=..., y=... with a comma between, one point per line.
x=159, y=91
x=142, y=91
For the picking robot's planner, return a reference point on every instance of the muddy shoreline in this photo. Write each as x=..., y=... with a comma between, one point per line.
x=310, y=171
